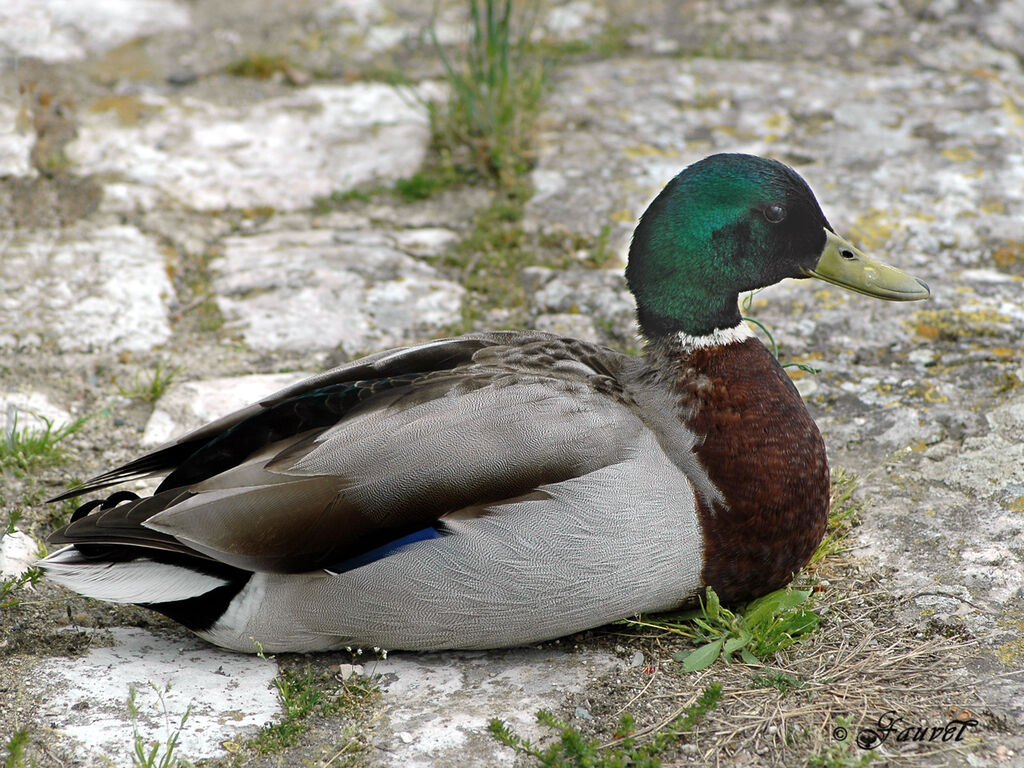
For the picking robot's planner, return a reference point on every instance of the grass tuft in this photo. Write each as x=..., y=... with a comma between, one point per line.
x=12, y=584
x=304, y=696
x=151, y=387
x=843, y=514
x=757, y=630
x=573, y=750
x=16, y=751
x=155, y=754
x=762, y=628
x=487, y=124
x=780, y=681
x=30, y=446
x=259, y=66
x=423, y=185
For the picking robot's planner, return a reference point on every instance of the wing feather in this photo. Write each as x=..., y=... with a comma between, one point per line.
x=360, y=487
x=434, y=356
x=363, y=455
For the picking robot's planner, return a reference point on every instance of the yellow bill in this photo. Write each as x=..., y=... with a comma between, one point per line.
x=843, y=264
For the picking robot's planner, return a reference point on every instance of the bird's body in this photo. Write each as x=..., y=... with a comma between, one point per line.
x=507, y=487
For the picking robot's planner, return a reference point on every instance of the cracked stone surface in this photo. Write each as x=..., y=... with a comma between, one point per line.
x=98, y=288
x=311, y=289
x=280, y=152
x=476, y=688
x=228, y=694
x=57, y=31
x=156, y=210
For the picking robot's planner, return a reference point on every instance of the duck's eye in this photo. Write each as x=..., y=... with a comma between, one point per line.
x=775, y=213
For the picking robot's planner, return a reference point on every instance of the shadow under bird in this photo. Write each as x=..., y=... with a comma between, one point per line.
x=505, y=488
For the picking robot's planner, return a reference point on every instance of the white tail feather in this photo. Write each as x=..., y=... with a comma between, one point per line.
x=135, y=581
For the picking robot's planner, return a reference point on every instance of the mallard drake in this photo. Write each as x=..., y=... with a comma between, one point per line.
x=505, y=488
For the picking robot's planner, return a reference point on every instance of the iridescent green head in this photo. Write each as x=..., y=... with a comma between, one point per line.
x=730, y=224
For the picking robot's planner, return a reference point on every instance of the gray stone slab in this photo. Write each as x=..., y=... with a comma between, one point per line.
x=322, y=289
x=230, y=696
x=599, y=296
x=57, y=30
x=439, y=705
x=83, y=290
x=280, y=152
x=85, y=698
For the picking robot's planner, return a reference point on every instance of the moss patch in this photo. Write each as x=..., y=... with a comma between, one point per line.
x=872, y=229
x=1009, y=257
x=260, y=66
x=953, y=324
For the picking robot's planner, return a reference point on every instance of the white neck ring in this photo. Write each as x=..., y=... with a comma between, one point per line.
x=720, y=337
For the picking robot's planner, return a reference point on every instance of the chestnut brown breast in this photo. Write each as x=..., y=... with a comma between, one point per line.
x=764, y=453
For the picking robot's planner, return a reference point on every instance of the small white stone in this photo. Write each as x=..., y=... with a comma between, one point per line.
x=425, y=241
x=577, y=19
x=664, y=45
x=15, y=145
x=18, y=553
x=922, y=356
x=346, y=671
x=806, y=386
x=30, y=410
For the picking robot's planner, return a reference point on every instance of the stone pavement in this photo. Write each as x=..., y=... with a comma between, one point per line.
x=157, y=208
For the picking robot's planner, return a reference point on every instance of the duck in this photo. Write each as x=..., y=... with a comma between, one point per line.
x=505, y=488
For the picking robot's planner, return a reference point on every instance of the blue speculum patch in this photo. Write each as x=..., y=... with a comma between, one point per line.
x=385, y=550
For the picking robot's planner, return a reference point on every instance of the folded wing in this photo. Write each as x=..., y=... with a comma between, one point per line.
x=372, y=452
